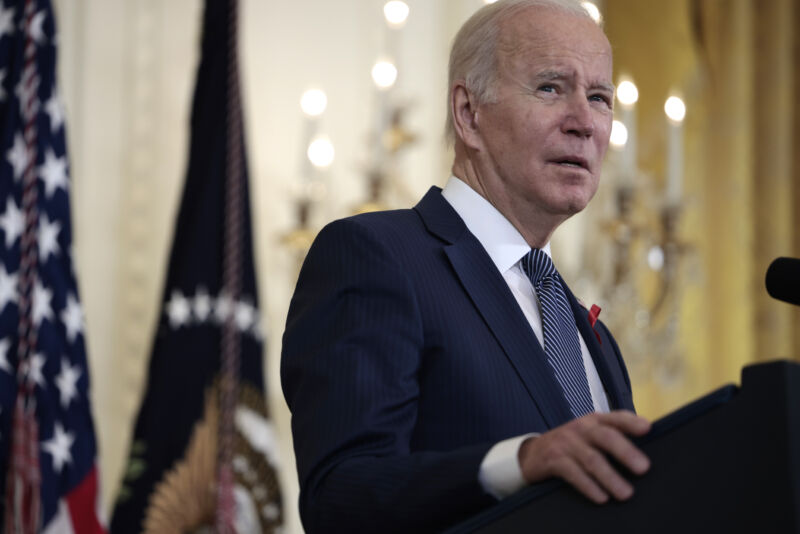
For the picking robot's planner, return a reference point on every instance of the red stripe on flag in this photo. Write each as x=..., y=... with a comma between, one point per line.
x=82, y=502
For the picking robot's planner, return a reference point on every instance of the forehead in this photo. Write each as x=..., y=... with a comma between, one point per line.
x=549, y=37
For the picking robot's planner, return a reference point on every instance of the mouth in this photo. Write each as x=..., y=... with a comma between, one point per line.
x=574, y=162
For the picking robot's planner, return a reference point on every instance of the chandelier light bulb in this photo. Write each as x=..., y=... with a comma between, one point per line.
x=675, y=109
x=313, y=102
x=384, y=74
x=593, y=11
x=655, y=258
x=320, y=152
x=627, y=93
x=619, y=134
x=396, y=12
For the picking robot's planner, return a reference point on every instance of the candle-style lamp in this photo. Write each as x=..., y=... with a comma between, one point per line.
x=622, y=227
x=313, y=104
x=627, y=96
x=387, y=134
x=384, y=76
x=317, y=155
x=676, y=111
x=665, y=257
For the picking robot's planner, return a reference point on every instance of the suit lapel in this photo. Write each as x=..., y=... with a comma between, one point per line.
x=602, y=355
x=494, y=301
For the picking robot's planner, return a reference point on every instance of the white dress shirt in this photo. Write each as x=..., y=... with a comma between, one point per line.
x=500, y=473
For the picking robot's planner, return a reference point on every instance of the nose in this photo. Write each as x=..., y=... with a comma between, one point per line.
x=579, y=119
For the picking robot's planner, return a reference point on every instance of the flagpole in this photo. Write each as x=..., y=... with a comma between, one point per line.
x=231, y=280
x=23, y=499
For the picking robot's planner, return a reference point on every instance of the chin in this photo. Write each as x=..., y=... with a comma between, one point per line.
x=572, y=209
x=575, y=203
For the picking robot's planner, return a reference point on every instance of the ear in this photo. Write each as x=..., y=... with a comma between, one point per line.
x=464, y=107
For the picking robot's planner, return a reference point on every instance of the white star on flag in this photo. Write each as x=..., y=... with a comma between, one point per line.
x=58, y=446
x=53, y=172
x=8, y=288
x=197, y=309
x=5, y=344
x=202, y=304
x=244, y=316
x=257, y=331
x=55, y=110
x=41, y=304
x=35, y=371
x=6, y=21
x=11, y=222
x=222, y=308
x=178, y=309
x=48, y=237
x=36, y=27
x=72, y=317
x=17, y=156
x=66, y=381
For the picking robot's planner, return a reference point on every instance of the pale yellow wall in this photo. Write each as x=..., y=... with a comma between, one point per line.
x=733, y=62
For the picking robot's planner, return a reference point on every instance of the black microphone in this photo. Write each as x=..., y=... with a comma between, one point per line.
x=783, y=280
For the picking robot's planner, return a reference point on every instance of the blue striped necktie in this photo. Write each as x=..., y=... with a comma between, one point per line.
x=561, y=345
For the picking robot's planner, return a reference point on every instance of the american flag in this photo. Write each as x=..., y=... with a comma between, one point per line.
x=47, y=443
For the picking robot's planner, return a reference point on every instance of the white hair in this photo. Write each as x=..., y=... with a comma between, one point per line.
x=473, y=56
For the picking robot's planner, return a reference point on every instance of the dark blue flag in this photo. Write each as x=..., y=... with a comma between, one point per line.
x=203, y=452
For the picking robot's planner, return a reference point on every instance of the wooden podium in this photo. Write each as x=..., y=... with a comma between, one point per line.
x=728, y=462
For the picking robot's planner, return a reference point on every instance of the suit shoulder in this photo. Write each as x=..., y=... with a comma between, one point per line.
x=388, y=219
x=379, y=225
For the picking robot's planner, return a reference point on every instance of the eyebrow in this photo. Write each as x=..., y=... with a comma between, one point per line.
x=610, y=87
x=549, y=75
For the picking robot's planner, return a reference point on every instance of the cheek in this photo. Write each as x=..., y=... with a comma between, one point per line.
x=603, y=134
x=602, y=146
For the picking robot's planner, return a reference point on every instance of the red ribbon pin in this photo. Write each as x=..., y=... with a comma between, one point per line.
x=594, y=312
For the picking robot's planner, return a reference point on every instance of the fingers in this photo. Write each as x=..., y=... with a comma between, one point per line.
x=611, y=440
x=559, y=453
x=576, y=452
x=625, y=421
x=576, y=476
x=595, y=464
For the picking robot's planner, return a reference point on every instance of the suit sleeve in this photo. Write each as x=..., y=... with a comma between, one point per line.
x=352, y=351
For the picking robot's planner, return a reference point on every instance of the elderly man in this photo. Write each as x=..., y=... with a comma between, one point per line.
x=434, y=361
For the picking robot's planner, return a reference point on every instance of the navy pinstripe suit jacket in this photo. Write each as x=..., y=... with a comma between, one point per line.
x=405, y=358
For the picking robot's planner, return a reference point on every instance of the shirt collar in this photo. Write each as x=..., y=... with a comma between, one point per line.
x=504, y=244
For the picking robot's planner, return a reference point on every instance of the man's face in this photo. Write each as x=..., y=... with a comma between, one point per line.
x=547, y=129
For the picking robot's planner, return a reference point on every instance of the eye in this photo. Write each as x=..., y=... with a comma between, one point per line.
x=547, y=88
x=604, y=99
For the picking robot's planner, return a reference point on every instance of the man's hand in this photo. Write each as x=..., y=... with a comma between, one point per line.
x=576, y=452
